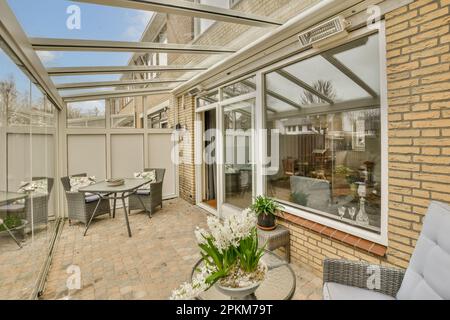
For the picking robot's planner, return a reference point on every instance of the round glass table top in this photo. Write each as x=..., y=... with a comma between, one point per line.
x=279, y=284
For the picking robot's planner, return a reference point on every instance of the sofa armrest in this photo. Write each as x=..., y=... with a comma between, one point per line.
x=363, y=275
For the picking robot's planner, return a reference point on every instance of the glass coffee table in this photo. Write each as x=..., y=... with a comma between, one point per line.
x=279, y=284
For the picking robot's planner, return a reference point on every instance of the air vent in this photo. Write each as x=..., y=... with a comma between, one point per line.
x=325, y=32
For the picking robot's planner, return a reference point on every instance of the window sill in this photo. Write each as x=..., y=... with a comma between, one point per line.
x=330, y=232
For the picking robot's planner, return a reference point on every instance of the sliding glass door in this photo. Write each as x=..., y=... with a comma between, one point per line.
x=238, y=172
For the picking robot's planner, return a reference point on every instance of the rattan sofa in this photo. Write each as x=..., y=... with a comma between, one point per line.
x=426, y=278
x=151, y=198
x=81, y=207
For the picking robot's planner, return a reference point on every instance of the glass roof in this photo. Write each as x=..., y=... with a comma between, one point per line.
x=95, y=34
x=332, y=77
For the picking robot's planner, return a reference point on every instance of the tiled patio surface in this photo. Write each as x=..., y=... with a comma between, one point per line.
x=152, y=263
x=19, y=268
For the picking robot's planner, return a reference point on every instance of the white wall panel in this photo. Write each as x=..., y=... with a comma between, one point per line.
x=87, y=154
x=127, y=154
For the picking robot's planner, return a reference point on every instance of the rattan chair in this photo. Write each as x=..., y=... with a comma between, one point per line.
x=426, y=278
x=35, y=207
x=151, y=198
x=81, y=207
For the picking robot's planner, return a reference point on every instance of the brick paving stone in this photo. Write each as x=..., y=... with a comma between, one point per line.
x=151, y=264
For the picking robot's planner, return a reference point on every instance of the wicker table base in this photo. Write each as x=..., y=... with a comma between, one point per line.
x=275, y=239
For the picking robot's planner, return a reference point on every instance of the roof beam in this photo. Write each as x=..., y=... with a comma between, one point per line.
x=282, y=98
x=304, y=85
x=63, y=71
x=349, y=73
x=274, y=94
x=114, y=94
x=192, y=9
x=106, y=84
x=18, y=44
x=53, y=44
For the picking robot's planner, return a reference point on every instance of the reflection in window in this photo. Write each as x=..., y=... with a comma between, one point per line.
x=27, y=177
x=329, y=133
x=207, y=99
x=238, y=123
x=86, y=114
x=239, y=88
x=123, y=112
x=158, y=120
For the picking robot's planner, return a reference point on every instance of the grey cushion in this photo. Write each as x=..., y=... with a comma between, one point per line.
x=337, y=291
x=143, y=192
x=428, y=274
x=318, y=191
x=92, y=198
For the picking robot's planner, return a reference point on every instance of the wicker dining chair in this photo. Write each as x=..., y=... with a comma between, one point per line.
x=151, y=198
x=35, y=207
x=81, y=207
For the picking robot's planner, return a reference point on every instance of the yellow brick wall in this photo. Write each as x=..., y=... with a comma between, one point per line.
x=418, y=43
x=185, y=116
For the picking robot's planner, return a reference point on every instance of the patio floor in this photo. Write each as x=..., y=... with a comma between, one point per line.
x=152, y=263
x=19, y=268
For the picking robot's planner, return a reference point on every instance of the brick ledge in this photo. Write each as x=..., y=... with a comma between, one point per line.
x=334, y=234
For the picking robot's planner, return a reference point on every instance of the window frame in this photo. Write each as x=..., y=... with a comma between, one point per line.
x=381, y=238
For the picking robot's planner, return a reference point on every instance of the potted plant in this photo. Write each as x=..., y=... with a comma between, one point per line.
x=231, y=258
x=265, y=209
x=13, y=223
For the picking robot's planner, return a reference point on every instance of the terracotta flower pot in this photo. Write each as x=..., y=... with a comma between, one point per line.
x=266, y=222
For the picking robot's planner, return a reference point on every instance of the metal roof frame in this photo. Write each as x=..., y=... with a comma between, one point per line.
x=191, y=9
x=106, y=84
x=54, y=44
x=64, y=71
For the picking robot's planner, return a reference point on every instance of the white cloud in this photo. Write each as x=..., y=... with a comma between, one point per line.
x=138, y=23
x=47, y=56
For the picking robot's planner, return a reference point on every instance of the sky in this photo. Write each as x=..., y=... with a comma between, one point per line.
x=48, y=19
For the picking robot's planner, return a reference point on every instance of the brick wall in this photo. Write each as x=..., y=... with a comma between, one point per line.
x=185, y=116
x=419, y=117
x=418, y=72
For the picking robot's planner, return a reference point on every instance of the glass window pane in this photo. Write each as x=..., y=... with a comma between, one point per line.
x=238, y=124
x=360, y=59
x=87, y=114
x=327, y=159
x=209, y=98
x=124, y=112
x=323, y=76
x=239, y=88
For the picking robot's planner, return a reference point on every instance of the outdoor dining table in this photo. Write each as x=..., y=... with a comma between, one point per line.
x=8, y=197
x=121, y=192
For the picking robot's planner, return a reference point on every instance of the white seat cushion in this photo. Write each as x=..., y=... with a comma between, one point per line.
x=337, y=291
x=428, y=274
